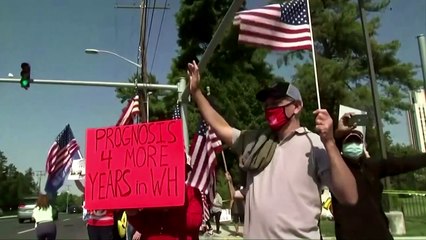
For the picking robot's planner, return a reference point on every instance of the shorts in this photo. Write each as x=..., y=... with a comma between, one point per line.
x=238, y=218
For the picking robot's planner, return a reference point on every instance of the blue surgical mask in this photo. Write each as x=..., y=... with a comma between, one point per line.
x=353, y=150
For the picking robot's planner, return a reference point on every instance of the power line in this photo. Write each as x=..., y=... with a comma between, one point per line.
x=158, y=36
x=150, y=24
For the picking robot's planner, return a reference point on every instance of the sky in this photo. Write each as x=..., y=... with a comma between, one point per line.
x=52, y=34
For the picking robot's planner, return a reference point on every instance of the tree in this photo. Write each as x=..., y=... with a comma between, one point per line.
x=14, y=185
x=233, y=71
x=157, y=106
x=343, y=65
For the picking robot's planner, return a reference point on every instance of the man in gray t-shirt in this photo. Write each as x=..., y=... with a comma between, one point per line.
x=287, y=165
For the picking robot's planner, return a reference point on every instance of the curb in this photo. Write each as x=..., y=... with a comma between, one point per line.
x=7, y=217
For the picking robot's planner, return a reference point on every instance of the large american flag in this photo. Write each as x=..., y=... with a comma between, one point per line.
x=59, y=158
x=129, y=112
x=280, y=27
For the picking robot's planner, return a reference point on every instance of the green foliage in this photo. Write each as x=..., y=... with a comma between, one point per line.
x=236, y=72
x=343, y=70
x=14, y=185
x=61, y=201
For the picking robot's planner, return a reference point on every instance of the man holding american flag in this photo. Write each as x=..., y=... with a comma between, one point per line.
x=286, y=164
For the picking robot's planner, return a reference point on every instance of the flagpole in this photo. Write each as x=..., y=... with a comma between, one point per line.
x=313, y=56
x=224, y=162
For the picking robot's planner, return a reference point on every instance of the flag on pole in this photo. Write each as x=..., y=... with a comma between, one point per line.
x=280, y=27
x=129, y=112
x=59, y=159
x=204, y=147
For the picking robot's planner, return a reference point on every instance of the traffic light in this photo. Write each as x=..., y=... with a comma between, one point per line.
x=25, y=75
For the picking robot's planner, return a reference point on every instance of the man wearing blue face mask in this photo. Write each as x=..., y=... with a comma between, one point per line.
x=366, y=219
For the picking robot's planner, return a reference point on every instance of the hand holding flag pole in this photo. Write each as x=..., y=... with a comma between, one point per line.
x=313, y=55
x=280, y=27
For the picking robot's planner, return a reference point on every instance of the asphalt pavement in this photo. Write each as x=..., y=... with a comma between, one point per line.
x=69, y=227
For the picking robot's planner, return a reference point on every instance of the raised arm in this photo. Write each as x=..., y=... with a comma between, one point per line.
x=210, y=115
x=343, y=184
x=399, y=165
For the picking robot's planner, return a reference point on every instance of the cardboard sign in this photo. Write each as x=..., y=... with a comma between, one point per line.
x=135, y=166
x=78, y=167
x=345, y=109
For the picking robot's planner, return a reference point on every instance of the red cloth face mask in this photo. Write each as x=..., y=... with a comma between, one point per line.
x=277, y=117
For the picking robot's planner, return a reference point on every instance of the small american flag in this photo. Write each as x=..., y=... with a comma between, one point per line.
x=280, y=27
x=129, y=112
x=59, y=158
x=204, y=147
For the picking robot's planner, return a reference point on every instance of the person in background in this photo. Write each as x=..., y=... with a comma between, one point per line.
x=43, y=217
x=216, y=211
x=237, y=204
x=100, y=225
x=366, y=219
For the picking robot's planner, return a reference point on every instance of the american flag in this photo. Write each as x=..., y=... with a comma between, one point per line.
x=280, y=27
x=129, y=112
x=204, y=147
x=59, y=158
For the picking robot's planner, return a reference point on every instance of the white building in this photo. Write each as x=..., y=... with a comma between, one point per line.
x=417, y=120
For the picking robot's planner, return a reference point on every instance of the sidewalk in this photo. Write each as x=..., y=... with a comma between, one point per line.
x=227, y=231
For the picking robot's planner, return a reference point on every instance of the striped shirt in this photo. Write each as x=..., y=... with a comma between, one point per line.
x=101, y=218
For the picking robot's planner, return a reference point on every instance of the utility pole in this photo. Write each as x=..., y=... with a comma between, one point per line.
x=39, y=174
x=142, y=93
x=144, y=74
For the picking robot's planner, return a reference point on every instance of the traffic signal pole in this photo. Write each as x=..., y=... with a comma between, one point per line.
x=180, y=87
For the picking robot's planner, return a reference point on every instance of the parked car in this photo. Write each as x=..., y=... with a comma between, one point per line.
x=75, y=209
x=26, y=207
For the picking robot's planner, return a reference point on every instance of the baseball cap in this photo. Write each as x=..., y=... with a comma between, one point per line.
x=279, y=90
x=354, y=136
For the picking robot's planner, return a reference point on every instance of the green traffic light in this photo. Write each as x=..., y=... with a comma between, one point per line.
x=25, y=83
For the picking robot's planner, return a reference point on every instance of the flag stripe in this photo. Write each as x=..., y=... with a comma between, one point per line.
x=203, y=150
x=130, y=111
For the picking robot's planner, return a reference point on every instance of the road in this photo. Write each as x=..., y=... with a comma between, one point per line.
x=69, y=227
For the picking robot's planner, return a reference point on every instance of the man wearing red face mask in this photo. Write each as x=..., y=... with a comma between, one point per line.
x=287, y=165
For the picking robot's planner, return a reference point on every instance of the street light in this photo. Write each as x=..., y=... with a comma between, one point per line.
x=96, y=51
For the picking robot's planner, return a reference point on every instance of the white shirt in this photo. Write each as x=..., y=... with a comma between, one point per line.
x=43, y=215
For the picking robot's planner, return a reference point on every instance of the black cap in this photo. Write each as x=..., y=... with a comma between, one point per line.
x=279, y=90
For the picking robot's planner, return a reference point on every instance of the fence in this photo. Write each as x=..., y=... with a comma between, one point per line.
x=411, y=203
